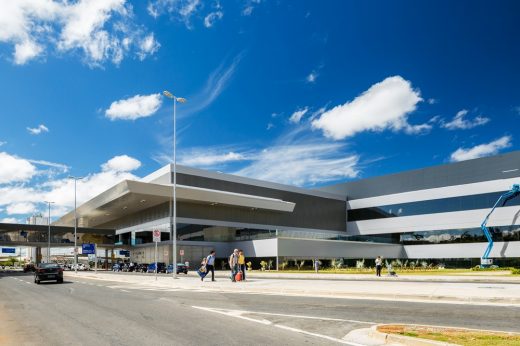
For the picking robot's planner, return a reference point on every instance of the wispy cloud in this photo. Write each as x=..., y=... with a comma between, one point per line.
x=460, y=123
x=481, y=150
x=216, y=83
x=311, y=77
x=37, y=130
x=60, y=166
x=135, y=107
x=181, y=10
x=212, y=17
x=301, y=164
x=249, y=7
x=297, y=115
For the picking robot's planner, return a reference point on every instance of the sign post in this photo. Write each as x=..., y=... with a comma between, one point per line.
x=181, y=252
x=156, y=239
x=95, y=263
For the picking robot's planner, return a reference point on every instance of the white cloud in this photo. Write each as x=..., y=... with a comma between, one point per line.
x=37, y=130
x=302, y=164
x=481, y=150
x=385, y=105
x=134, y=107
x=122, y=163
x=181, y=10
x=311, y=78
x=20, y=208
x=96, y=28
x=204, y=157
x=249, y=7
x=14, y=169
x=63, y=168
x=9, y=220
x=297, y=115
x=148, y=46
x=25, y=51
x=211, y=18
x=459, y=123
x=270, y=126
x=215, y=85
x=2, y=143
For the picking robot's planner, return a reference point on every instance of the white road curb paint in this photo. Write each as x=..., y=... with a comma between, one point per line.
x=238, y=314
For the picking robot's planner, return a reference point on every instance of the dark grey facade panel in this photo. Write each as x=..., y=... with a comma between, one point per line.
x=310, y=212
x=472, y=171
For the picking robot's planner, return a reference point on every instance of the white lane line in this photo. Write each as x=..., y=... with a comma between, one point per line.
x=287, y=315
x=125, y=291
x=238, y=314
x=296, y=330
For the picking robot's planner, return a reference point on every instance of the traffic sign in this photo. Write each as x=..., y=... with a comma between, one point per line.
x=88, y=249
x=8, y=250
x=181, y=252
x=156, y=235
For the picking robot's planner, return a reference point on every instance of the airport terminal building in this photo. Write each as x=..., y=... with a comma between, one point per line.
x=430, y=213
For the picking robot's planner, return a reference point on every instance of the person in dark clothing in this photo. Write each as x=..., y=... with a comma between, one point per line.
x=210, y=264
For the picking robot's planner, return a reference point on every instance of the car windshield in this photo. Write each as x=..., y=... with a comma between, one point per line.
x=49, y=265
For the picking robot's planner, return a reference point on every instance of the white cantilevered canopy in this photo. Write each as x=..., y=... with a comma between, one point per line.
x=132, y=196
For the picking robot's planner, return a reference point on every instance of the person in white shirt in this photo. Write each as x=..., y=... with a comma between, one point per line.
x=379, y=265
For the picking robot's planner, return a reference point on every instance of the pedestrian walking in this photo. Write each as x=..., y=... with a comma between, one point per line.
x=316, y=265
x=203, y=271
x=210, y=264
x=379, y=265
x=242, y=263
x=233, y=264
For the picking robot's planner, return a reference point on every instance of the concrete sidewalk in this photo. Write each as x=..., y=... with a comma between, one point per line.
x=386, y=289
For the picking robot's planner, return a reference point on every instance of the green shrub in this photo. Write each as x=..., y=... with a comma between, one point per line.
x=515, y=271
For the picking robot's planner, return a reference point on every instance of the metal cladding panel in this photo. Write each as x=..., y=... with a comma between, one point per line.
x=324, y=249
x=472, y=171
x=310, y=212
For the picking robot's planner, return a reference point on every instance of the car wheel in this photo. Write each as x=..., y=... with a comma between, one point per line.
x=37, y=282
x=60, y=281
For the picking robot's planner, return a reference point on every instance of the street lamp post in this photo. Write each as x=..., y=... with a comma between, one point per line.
x=174, y=222
x=49, y=233
x=75, y=225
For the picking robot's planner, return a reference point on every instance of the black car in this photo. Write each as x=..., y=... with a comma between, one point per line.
x=142, y=268
x=30, y=267
x=48, y=272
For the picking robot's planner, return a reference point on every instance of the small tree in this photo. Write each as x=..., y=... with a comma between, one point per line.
x=337, y=263
x=249, y=266
x=269, y=264
x=360, y=264
x=283, y=265
x=223, y=264
x=263, y=265
x=299, y=264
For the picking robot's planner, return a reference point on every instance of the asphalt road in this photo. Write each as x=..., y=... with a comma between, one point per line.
x=83, y=311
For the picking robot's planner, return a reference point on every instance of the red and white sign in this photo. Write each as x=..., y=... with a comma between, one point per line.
x=181, y=252
x=156, y=235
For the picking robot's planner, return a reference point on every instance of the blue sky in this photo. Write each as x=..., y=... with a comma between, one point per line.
x=303, y=92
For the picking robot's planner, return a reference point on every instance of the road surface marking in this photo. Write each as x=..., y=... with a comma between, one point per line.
x=125, y=291
x=238, y=314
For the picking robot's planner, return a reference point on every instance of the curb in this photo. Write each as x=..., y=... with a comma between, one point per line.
x=386, y=338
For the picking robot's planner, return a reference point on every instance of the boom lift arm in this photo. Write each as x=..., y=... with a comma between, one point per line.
x=515, y=191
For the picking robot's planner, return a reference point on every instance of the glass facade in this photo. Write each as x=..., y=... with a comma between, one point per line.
x=443, y=205
x=467, y=235
x=57, y=237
